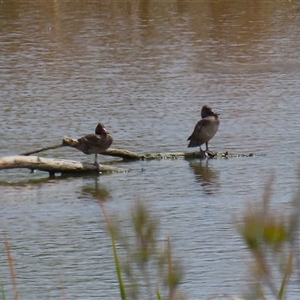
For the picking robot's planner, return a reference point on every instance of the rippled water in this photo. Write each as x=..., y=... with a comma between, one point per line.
x=144, y=69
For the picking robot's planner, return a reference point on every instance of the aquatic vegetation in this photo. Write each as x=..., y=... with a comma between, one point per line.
x=271, y=237
x=11, y=269
x=146, y=268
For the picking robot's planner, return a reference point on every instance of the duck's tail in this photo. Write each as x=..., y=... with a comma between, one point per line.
x=193, y=142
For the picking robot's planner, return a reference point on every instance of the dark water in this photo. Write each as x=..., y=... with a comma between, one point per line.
x=144, y=69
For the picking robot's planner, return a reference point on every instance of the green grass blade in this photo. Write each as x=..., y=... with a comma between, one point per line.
x=116, y=258
x=118, y=269
x=158, y=294
x=286, y=276
x=2, y=291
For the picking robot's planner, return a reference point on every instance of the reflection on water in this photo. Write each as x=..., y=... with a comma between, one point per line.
x=206, y=176
x=97, y=191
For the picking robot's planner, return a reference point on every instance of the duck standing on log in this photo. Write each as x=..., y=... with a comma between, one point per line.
x=205, y=129
x=95, y=143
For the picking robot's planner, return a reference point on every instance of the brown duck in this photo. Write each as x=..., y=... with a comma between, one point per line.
x=205, y=129
x=95, y=143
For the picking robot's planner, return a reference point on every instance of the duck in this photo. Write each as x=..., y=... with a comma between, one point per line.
x=95, y=143
x=205, y=129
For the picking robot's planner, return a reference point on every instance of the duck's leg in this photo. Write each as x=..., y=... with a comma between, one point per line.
x=96, y=162
x=206, y=146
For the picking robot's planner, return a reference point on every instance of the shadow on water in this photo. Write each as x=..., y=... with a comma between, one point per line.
x=206, y=176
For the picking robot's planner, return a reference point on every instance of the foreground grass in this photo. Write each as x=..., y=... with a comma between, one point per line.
x=148, y=269
x=11, y=269
x=116, y=257
x=271, y=237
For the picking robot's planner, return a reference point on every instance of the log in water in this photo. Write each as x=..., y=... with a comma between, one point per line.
x=52, y=165
x=130, y=155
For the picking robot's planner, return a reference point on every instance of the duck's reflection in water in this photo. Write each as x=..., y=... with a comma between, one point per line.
x=206, y=176
x=97, y=191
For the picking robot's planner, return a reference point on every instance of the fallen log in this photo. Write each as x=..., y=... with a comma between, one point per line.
x=195, y=155
x=129, y=155
x=53, y=166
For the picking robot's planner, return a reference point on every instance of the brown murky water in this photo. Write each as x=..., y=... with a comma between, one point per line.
x=144, y=69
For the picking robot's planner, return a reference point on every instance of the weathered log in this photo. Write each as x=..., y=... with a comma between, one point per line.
x=195, y=155
x=129, y=155
x=52, y=165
